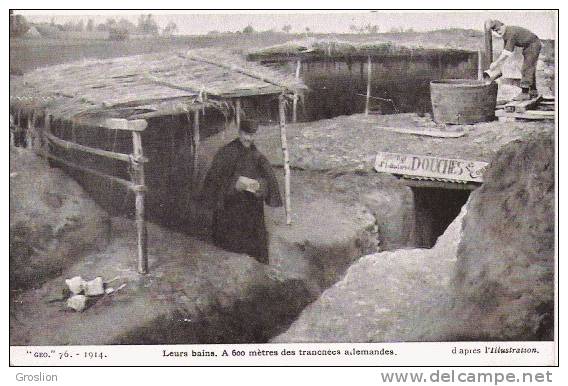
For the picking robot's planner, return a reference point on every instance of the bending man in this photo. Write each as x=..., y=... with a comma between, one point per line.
x=530, y=43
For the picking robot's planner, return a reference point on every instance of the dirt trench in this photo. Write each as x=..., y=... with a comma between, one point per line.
x=489, y=277
x=197, y=293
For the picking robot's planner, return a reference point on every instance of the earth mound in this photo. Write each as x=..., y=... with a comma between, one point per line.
x=52, y=220
x=504, y=281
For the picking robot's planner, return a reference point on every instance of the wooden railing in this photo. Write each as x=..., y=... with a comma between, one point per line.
x=39, y=138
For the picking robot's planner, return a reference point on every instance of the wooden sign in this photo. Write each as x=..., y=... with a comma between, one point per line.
x=427, y=166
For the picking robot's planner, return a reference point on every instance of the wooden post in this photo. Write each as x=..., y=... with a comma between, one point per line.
x=18, y=124
x=238, y=112
x=369, y=68
x=488, y=48
x=480, y=62
x=43, y=145
x=295, y=101
x=284, y=142
x=196, y=139
x=31, y=124
x=138, y=179
x=12, y=130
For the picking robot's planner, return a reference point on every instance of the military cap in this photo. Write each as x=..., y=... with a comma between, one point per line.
x=494, y=24
x=249, y=126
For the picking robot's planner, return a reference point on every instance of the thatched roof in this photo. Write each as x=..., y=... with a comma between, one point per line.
x=312, y=49
x=145, y=85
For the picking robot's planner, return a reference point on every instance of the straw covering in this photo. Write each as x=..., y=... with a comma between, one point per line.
x=145, y=85
x=335, y=49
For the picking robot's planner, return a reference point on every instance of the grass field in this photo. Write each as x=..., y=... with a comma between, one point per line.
x=28, y=54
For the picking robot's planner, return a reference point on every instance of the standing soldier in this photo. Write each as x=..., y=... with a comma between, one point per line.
x=514, y=36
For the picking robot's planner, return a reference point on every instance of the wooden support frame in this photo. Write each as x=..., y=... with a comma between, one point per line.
x=46, y=129
x=238, y=112
x=139, y=179
x=136, y=160
x=124, y=124
x=236, y=69
x=30, y=132
x=75, y=146
x=12, y=128
x=369, y=73
x=480, y=64
x=196, y=141
x=114, y=123
x=488, y=45
x=120, y=181
x=284, y=142
x=295, y=101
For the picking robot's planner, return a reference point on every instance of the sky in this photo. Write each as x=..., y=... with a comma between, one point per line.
x=193, y=22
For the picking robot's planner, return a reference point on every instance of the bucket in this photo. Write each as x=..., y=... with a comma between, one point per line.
x=492, y=75
x=463, y=101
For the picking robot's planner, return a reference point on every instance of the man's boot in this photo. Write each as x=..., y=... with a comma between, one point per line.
x=523, y=96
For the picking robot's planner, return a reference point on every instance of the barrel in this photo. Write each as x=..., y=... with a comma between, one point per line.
x=463, y=101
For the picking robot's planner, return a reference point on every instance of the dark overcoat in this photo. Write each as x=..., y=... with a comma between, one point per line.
x=238, y=217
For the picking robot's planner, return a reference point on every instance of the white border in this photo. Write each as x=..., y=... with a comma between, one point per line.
x=273, y=376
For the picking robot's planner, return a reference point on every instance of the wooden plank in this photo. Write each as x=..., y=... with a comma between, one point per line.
x=522, y=106
x=237, y=70
x=424, y=131
x=544, y=113
x=85, y=169
x=170, y=110
x=529, y=115
x=286, y=156
x=114, y=123
x=430, y=167
x=141, y=230
x=535, y=115
x=253, y=92
x=195, y=89
x=75, y=146
x=124, y=124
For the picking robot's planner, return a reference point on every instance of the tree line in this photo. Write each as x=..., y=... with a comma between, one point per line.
x=121, y=28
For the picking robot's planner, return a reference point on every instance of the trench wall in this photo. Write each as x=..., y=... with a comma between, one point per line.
x=334, y=85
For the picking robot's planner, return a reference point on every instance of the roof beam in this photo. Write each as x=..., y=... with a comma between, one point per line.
x=114, y=123
x=238, y=70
